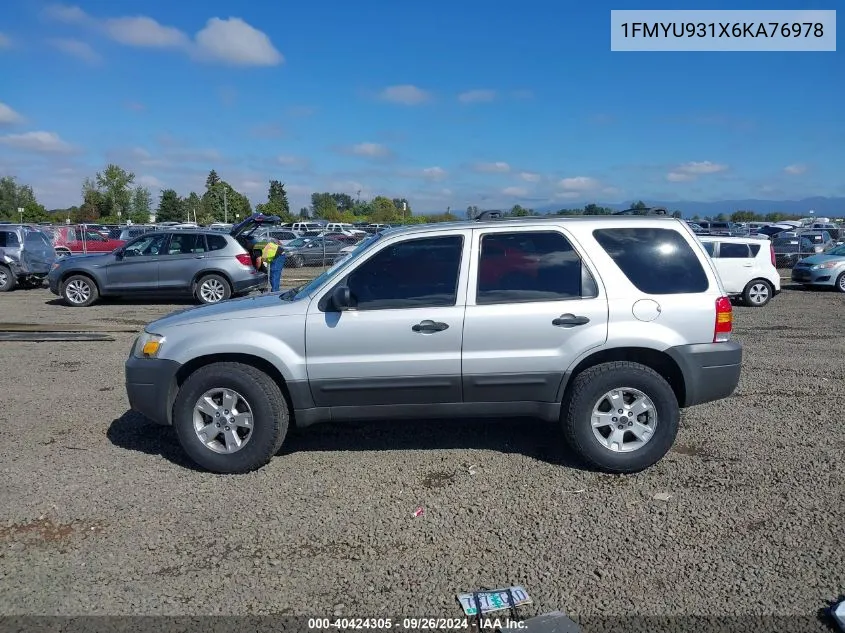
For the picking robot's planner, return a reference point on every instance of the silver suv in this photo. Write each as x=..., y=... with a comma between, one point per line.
x=26, y=255
x=605, y=325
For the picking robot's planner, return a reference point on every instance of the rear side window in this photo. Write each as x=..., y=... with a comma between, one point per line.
x=537, y=266
x=655, y=261
x=4, y=238
x=709, y=247
x=216, y=242
x=186, y=244
x=755, y=248
x=35, y=238
x=734, y=251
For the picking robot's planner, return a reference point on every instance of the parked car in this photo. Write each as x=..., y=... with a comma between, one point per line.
x=74, y=239
x=312, y=251
x=746, y=267
x=26, y=255
x=824, y=269
x=431, y=320
x=248, y=232
x=208, y=265
x=131, y=232
x=697, y=228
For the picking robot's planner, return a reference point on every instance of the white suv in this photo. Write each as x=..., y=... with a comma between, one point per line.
x=605, y=325
x=746, y=266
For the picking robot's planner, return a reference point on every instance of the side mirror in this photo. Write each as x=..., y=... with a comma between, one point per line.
x=118, y=253
x=341, y=298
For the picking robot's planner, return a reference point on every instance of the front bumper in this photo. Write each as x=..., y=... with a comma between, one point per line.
x=53, y=282
x=711, y=370
x=822, y=277
x=151, y=387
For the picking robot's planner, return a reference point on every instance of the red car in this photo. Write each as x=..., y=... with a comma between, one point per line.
x=75, y=239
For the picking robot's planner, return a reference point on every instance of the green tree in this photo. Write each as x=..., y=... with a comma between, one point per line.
x=721, y=218
x=324, y=206
x=519, y=211
x=212, y=179
x=14, y=196
x=639, y=205
x=743, y=216
x=222, y=203
x=304, y=213
x=594, y=209
x=193, y=205
x=384, y=211
x=676, y=214
x=142, y=205
x=277, y=202
x=343, y=202
x=170, y=207
x=472, y=212
x=115, y=185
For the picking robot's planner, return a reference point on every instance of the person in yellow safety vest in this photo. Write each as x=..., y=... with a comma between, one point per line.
x=274, y=256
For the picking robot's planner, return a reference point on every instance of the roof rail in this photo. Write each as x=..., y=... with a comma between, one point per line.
x=489, y=215
x=644, y=211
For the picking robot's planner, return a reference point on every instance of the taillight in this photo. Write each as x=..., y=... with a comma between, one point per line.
x=244, y=259
x=724, y=320
x=772, y=253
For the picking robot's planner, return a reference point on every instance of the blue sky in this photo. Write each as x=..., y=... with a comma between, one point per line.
x=445, y=103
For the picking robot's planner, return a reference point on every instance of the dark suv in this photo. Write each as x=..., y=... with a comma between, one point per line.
x=26, y=254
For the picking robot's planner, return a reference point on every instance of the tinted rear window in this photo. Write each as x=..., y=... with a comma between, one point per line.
x=655, y=261
x=216, y=242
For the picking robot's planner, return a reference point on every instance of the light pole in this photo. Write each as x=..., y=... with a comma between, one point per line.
x=225, y=208
x=20, y=212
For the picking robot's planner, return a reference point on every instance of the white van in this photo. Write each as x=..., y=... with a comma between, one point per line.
x=302, y=227
x=746, y=267
x=343, y=227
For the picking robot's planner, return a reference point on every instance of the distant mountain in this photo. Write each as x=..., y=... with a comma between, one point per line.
x=822, y=207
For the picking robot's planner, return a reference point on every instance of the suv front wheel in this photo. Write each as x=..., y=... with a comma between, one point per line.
x=230, y=417
x=621, y=417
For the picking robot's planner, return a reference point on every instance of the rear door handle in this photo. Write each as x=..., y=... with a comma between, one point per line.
x=199, y=257
x=747, y=265
x=570, y=320
x=429, y=326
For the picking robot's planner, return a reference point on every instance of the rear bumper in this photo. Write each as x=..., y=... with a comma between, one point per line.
x=711, y=370
x=151, y=387
x=252, y=282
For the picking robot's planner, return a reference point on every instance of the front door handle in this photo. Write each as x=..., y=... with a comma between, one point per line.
x=747, y=265
x=429, y=326
x=570, y=320
x=199, y=257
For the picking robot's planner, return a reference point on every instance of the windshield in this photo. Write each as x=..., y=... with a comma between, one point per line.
x=299, y=293
x=300, y=241
x=839, y=251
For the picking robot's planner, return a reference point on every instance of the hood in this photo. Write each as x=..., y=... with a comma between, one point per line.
x=88, y=257
x=253, y=220
x=821, y=258
x=269, y=305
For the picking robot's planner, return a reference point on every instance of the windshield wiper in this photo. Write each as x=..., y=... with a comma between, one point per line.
x=290, y=294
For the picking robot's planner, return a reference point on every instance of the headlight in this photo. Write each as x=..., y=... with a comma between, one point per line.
x=148, y=345
x=826, y=266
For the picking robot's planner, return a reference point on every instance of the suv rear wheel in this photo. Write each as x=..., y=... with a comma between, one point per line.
x=621, y=417
x=213, y=289
x=230, y=418
x=7, y=279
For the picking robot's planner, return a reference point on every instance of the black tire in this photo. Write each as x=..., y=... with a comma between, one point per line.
x=269, y=410
x=757, y=293
x=840, y=282
x=8, y=281
x=586, y=392
x=296, y=261
x=79, y=291
x=209, y=287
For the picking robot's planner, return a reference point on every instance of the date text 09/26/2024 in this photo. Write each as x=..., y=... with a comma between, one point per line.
x=411, y=624
x=733, y=30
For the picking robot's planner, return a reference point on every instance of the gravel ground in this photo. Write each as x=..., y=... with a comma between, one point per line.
x=101, y=514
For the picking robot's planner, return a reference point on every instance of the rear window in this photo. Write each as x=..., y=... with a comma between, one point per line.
x=216, y=242
x=655, y=261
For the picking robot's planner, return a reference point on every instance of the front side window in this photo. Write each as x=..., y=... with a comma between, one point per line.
x=530, y=266
x=656, y=261
x=152, y=244
x=415, y=273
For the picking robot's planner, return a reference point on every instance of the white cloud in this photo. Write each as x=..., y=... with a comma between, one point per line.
x=65, y=13
x=370, y=150
x=144, y=32
x=793, y=170
x=151, y=182
x=567, y=195
x=41, y=142
x=77, y=48
x=676, y=176
x=231, y=41
x=529, y=176
x=434, y=173
x=237, y=43
x=405, y=94
x=477, y=96
x=579, y=184
x=5, y=41
x=290, y=161
x=515, y=192
x=703, y=167
x=9, y=116
x=492, y=168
